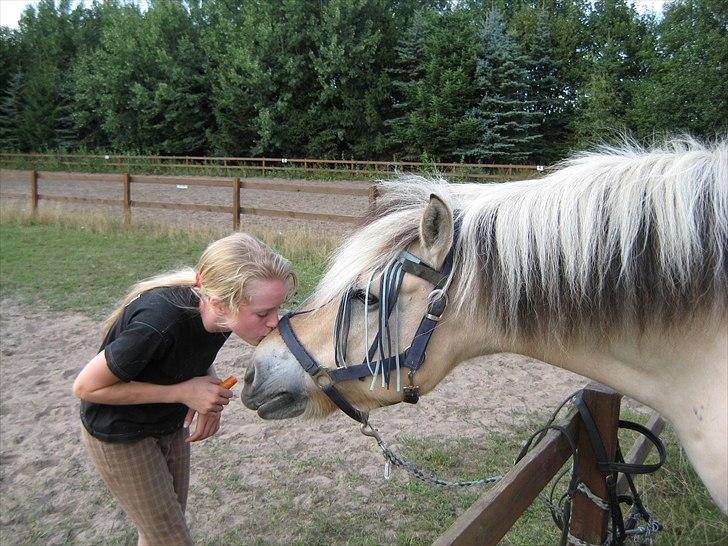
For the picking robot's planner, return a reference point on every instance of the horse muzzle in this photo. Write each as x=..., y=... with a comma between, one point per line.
x=273, y=386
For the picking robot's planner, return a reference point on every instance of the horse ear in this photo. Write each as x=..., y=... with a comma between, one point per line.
x=436, y=231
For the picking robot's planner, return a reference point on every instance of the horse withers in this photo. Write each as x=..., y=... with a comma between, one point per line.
x=614, y=266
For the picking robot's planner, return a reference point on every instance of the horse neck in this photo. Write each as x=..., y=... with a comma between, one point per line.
x=658, y=369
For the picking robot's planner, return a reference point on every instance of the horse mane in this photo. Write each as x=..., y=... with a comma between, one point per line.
x=613, y=239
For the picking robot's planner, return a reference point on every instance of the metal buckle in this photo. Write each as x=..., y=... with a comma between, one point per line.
x=411, y=393
x=322, y=378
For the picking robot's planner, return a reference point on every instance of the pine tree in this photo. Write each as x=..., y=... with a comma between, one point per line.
x=506, y=120
x=547, y=92
x=408, y=82
x=616, y=57
x=10, y=108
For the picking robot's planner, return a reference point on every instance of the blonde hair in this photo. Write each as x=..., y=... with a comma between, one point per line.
x=225, y=269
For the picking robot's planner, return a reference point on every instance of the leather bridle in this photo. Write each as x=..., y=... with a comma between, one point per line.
x=410, y=358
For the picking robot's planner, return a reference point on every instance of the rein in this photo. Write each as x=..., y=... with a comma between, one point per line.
x=621, y=529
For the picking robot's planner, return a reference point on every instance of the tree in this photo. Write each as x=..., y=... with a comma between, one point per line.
x=600, y=110
x=10, y=107
x=505, y=118
x=438, y=91
x=618, y=56
x=687, y=88
x=548, y=93
x=354, y=42
x=235, y=41
x=408, y=74
x=46, y=50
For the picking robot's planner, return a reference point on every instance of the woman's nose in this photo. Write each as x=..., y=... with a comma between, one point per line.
x=273, y=320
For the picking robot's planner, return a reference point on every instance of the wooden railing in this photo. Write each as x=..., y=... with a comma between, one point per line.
x=493, y=514
x=126, y=181
x=264, y=166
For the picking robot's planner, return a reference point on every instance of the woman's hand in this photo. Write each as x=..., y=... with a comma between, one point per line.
x=207, y=425
x=204, y=395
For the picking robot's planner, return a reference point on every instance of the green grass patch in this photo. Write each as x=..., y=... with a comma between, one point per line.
x=87, y=265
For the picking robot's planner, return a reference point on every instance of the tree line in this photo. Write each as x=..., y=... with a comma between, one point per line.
x=520, y=81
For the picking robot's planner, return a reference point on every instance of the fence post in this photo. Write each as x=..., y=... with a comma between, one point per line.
x=236, y=203
x=33, y=192
x=589, y=522
x=373, y=193
x=263, y=166
x=126, y=179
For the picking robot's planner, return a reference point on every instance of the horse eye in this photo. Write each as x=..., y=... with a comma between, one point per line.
x=360, y=295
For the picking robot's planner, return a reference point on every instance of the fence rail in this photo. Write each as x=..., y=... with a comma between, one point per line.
x=126, y=180
x=494, y=513
x=241, y=166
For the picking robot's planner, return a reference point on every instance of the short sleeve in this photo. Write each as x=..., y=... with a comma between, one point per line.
x=133, y=350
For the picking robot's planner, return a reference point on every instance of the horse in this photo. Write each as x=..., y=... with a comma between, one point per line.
x=613, y=265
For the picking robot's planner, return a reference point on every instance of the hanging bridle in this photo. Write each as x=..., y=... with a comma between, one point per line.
x=410, y=358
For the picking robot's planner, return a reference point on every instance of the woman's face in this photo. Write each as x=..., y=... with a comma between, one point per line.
x=259, y=316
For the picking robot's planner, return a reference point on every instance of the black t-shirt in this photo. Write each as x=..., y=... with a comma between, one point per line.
x=158, y=339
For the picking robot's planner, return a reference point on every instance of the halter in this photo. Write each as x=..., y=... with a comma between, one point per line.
x=412, y=356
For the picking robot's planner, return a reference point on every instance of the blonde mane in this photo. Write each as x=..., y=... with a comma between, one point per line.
x=619, y=238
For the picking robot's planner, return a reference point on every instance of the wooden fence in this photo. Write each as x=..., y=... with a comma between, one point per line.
x=262, y=166
x=492, y=516
x=126, y=181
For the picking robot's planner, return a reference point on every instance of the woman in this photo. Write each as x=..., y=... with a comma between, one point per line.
x=154, y=373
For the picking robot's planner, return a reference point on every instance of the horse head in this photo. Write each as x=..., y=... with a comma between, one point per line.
x=366, y=319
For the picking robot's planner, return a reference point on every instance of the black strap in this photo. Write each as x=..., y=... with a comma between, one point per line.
x=603, y=463
x=294, y=345
x=343, y=405
x=417, y=350
x=434, y=277
x=312, y=368
x=611, y=469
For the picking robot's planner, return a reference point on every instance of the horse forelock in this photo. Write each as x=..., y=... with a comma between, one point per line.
x=618, y=238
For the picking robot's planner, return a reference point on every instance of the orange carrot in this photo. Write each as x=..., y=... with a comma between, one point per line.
x=229, y=382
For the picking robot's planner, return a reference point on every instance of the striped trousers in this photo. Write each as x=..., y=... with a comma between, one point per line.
x=150, y=479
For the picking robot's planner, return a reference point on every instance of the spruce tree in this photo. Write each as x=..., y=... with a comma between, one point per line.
x=10, y=108
x=408, y=84
x=354, y=41
x=505, y=118
x=547, y=92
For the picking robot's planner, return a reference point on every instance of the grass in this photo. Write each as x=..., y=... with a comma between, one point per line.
x=84, y=265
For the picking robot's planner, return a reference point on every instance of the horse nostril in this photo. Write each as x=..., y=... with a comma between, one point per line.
x=250, y=375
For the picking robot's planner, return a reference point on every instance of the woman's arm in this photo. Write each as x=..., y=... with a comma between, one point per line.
x=97, y=384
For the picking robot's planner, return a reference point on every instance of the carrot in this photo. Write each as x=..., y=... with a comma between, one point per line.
x=229, y=382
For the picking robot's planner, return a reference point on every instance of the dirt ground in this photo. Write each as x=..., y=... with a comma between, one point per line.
x=50, y=495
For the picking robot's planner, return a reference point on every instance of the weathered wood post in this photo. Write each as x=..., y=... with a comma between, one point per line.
x=33, y=192
x=126, y=180
x=236, y=203
x=373, y=194
x=589, y=522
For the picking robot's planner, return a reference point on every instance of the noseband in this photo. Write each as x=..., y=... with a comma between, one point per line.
x=412, y=356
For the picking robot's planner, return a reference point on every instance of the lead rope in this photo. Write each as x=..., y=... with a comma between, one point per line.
x=393, y=459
